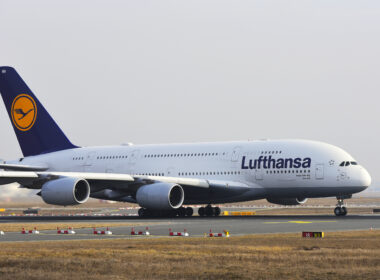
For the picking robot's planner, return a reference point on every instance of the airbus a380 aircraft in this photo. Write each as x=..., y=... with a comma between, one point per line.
x=164, y=178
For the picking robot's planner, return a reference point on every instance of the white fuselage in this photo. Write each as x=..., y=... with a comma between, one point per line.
x=280, y=168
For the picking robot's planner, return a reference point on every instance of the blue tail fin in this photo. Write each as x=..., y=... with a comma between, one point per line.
x=36, y=131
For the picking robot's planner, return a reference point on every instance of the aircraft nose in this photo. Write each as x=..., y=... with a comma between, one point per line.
x=364, y=178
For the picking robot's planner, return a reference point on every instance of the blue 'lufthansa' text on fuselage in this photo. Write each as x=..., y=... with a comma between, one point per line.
x=278, y=163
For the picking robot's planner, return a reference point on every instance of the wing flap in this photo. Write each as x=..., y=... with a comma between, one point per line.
x=90, y=176
x=201, y=183
x=7, y=177
x=19, y=167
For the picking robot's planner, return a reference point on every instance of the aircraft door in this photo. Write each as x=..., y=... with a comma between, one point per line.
x=319, y=171
x=235, y=154
x=133, y=157
x=171, y=172
x=258, y=174
x=87, y=166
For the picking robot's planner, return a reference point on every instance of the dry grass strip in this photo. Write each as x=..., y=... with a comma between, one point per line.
x=14, y=227
x=347, y=255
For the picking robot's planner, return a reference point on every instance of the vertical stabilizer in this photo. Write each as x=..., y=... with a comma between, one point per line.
x=36, y=131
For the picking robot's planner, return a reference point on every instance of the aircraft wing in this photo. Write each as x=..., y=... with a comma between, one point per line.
x=118, y=181
x=201, y=183
x=88, y=176
x=19, y=167
x=35, y=179
x=7, y=177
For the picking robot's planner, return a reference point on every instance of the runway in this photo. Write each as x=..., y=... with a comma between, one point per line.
x=195, y=226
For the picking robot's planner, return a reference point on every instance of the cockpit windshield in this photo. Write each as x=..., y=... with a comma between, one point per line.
x=348, y=163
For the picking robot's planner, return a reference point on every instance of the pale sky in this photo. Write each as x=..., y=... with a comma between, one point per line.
x=111, y=72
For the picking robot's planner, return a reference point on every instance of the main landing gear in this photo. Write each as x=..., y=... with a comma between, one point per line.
x=209, y=211
x=181, y=212
x=340, y=209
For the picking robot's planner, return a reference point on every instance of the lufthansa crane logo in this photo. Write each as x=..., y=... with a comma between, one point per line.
x=24, y=112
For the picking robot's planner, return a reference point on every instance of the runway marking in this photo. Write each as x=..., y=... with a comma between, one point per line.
x=299, y=222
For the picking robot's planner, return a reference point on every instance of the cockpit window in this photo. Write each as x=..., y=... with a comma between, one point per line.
x=348, y=163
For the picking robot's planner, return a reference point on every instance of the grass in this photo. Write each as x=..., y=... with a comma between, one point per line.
x=15, y=227
x=352, y=255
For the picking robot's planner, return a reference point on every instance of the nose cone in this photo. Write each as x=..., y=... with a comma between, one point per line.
x=364, y=178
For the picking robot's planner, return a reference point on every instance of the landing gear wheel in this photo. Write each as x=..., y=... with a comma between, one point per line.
x=141, y=212
x=181, y=211
x=209, y=211
x=144, y=213
x=201, y=211
x=338, y=211
x=217, y=211
x=189, y=211
x=172, y=213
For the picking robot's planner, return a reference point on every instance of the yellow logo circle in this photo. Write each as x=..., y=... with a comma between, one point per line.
x=24, y=112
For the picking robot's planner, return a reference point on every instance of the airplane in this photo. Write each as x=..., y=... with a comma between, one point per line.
x=162, y=179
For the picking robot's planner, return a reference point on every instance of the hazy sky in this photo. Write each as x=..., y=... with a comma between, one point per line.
x=111, y=72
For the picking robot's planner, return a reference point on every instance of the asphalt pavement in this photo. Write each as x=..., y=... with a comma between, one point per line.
x=195, y=226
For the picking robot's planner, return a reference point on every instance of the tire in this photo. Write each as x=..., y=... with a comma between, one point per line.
x=141, y=212
x=209, y=211
x=217, y=211
x=338, y=211
x=182, y=212
x=201, y=211
x=171, y=214
x=189, y=211
x=344, y=211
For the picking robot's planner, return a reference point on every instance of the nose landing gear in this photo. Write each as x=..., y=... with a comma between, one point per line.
x=340, y=209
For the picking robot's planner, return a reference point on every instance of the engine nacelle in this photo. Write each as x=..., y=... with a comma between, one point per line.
x=160, y=196
x=66, y=191
x=287, y=201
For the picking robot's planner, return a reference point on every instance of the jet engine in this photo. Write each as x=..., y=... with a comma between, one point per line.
x=160, y=196
x=287, y=201
x=65, y=191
